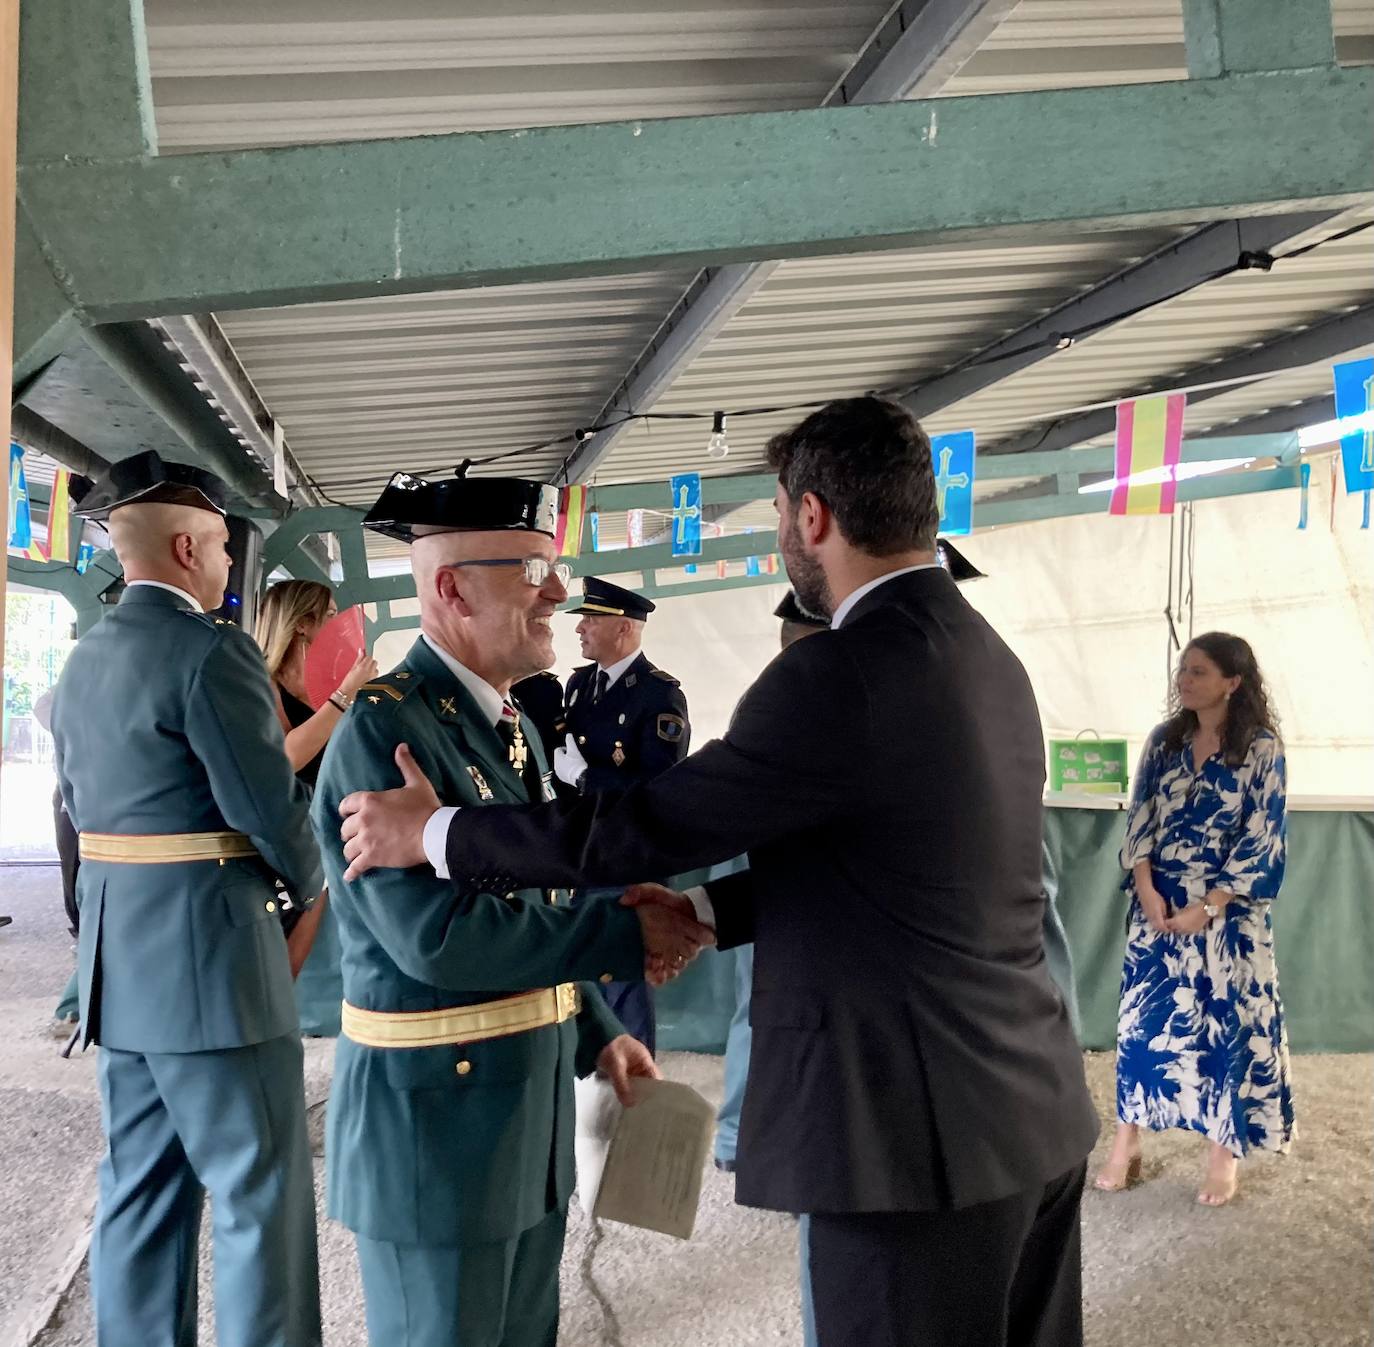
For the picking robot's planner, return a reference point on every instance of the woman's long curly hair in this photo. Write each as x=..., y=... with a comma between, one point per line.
x=1247, y=712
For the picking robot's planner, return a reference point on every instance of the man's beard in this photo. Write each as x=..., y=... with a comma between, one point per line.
x=808, y=578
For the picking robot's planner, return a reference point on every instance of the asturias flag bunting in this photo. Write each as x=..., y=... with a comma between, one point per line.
x=1354, y=397
x=1149, y=441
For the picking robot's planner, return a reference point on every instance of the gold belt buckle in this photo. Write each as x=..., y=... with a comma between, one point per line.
x=567, y=1000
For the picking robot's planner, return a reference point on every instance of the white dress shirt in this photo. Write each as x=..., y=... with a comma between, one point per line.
x=847, y=606
x=171, y=589
x=615, y=671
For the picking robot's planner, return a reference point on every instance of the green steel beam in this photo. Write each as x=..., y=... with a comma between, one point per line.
x=1053, y=504
x=734, y=490
x=1238, y=37
x=44, y=321
x=1059, y=504
x=84, y=94
x=1064, y=466
x=377, y=589
x=139, y=356
x=84, y=89
x=81, y=591
x=302, y=524
x=307, y=223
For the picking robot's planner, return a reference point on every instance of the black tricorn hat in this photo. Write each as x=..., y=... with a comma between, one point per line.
x=960, y=568
x=600, y=598
x=791, y=611
x=412, y=507
x=144, y=479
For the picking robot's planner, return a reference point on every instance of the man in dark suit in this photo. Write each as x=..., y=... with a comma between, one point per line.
x=624, y=720
x=915, y=1084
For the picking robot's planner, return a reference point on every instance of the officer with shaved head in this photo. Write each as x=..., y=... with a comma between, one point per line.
x=172, y=766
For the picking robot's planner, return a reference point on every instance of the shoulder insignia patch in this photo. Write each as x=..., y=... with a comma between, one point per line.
x=671, y=728
x=385, y=689
x=666, y=677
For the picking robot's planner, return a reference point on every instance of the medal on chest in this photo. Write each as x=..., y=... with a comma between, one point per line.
x=518, y=749
x=618, y=757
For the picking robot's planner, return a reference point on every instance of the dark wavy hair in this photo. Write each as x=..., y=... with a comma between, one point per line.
x=869, y=460
x=1247, y=713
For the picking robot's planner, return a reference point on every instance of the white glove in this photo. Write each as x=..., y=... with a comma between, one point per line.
x=568, y=763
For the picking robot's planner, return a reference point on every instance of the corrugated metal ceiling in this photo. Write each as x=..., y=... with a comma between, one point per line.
x=423, y=381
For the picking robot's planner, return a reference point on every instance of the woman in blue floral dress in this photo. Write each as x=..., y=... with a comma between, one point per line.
x=1200, y=1036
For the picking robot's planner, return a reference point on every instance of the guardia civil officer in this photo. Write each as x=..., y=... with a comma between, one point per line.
x=915, y=1085
x=172, y=766
x=624, y=720
x=466, y=1016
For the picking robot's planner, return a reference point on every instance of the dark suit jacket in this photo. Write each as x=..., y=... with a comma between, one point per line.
x=910, y=1049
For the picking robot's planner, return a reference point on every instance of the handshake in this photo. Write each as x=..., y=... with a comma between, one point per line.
x=673, y=936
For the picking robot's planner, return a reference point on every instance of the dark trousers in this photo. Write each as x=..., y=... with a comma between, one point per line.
x=999, y=1274
x=68, y=856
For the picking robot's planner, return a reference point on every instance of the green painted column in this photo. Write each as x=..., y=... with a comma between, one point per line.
x=84, y=86
x=1238, y=37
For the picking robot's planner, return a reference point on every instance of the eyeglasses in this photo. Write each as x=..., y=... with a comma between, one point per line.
x=537, y=570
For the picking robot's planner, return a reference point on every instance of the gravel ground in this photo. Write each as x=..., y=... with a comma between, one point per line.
x=1286, y=1265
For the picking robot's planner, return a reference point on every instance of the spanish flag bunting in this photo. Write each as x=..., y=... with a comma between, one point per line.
x=571, y=508
x=1149, y=441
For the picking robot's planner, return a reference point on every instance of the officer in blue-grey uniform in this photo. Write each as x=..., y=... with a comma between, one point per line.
x=172, y=766
x=624, y=720
x=466, y=1016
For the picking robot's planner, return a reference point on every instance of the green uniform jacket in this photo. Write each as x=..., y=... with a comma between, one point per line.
x=419, y=1153
x=164, y=722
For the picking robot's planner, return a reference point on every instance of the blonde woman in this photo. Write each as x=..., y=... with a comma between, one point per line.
x=289, y=620
x=291, y=616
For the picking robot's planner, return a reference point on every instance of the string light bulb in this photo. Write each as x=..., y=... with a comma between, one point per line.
x=717, y=446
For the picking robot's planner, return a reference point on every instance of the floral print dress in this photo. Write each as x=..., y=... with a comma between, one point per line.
x=1201, y=1043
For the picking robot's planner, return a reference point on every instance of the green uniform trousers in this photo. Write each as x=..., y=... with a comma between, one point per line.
x=180, y=1124
x=498, y=1294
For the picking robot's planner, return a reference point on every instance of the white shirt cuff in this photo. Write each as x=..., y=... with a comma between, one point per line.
x=706, y=914
x=436, y=839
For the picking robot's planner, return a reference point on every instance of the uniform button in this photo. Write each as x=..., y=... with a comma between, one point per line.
x=605, y=977
x=510, y=897
x=271, y=906
x=581, y=738
x=463, y=1068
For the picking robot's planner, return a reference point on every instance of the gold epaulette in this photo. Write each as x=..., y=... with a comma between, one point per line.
x=385, y=689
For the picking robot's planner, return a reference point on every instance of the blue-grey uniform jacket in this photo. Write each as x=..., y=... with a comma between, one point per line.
x=164, y=722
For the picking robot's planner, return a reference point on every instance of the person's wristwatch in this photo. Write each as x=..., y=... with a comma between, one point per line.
x=1211, y=909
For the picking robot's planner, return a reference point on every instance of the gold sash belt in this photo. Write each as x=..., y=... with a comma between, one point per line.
x=164, y=848
x=461, y=1024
